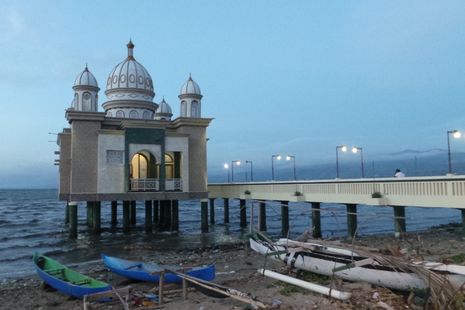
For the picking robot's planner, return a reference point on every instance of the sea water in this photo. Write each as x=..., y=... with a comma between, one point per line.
x=33, y=220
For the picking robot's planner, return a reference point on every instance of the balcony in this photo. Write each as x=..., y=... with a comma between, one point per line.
x=153, y=185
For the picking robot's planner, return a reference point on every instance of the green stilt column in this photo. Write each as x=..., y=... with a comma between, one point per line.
x=352, y=219
x=463, y=221
x=204, y=215
x=126, y=215
x=399, y=220
x=72, y=219
x=133, y=212
x=212, y=211
x=166, y=219
x=96, y=217
x=156, y=213
x=90, y=213
x=148, y=216
x=243, y=213
x=316, y=220
x=114, y=213
x=262, y=216
x=67, y=213
x=174, y=215
x=285, y=217
x=226, y=210
x=162, y=215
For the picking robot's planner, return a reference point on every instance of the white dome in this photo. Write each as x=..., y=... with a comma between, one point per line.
x=190, y=88
x=130, y=74
x=164, y=111
x=85, y=78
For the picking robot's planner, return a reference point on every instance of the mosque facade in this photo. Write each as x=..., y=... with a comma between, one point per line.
x=134, y=149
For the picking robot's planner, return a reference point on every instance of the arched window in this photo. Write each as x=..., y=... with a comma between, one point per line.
x=86, y=102
x=139, y=165
x=146, y=115
x=76, y=102
x=194, y=109
x=183, y=109
x=169, y=166
x=109, y=114
x=133, y=114
x=120, y=113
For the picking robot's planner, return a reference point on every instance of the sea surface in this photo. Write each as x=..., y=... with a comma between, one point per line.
x=33, y=220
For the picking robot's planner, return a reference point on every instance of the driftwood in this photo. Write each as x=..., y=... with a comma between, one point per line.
x=107, y=295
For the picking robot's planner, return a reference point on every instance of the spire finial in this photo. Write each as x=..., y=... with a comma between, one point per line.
x=130, y=46
x=86, y=69
x=190, y=76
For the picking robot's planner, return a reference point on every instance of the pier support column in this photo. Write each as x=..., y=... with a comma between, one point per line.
x=133, y=212
x=114, y=213
x=316, y=220
x=165, y=214
x=148, y=216
x=156, y=213
x=72, y=208
x=351, y=219
x=399, y=220
x=226, y=210
x=262, y=217
x=243, y=213
x=67, y=213
x=463, y=221
x=285, y=217
x=174, y=215
x=89, y=207
x=204, y=215
x=126, y=214
x=96, y=217
x=212, y=211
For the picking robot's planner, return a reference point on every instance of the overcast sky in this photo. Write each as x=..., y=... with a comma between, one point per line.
x=291, y=77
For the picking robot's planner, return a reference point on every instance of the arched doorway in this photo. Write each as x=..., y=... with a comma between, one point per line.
x=143, y=172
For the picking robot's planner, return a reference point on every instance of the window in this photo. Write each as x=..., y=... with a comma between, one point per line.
x=114, y=157
x=133, y=114
x=146, y=115
x=194, y=109
x=183, y=109
x=86, y=102
x=169, y=166
x=139, y=165
x=119, y=113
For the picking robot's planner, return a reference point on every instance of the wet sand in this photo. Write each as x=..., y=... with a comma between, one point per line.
x=236, y=267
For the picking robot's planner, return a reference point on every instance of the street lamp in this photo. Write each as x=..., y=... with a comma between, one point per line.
x=355, y=150
x=292, y=157
x=251, y=169
x=456, y=134
x=238, y=163
x=343, y=148
x=278, y=157
x=226, y=166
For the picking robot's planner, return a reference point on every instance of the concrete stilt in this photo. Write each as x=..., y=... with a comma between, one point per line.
x=162, y=216
x=89, y=207
x=126, y=215
x=133, y=212
x=114, y=213
x=351, y=219
x=96, y=217
x=67, y=213
x=174, y=215
x=156, y=212
x=463, y=221
x=148, y=216
x=399, y=220
x=262, y=217
x=285, y=217
x=243, y=213
x=204, y=215
x=212, y=211
x=316, y=220
x=165, y=214
x=226, y=210
x=72, y=219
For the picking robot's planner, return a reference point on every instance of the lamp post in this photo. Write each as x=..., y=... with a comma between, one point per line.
x=292, y=157
x=251, y=169
x=226, y=166
x=278, y=157
x=456, y=134
x=238, y=163
x=355, y=150
x=343, y=148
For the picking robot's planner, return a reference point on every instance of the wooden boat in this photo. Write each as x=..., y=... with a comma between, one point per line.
x=350, y=265
x=150, y=272
x=65, y=279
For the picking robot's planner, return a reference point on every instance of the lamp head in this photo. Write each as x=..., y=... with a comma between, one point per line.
x=226, y=166
x=456, y=134
x=344, y=148
x=278, y=157
x=354, y=150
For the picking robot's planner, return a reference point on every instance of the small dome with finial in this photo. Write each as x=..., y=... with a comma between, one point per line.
x=190, y=87
x=85, y=78
x=164, y=111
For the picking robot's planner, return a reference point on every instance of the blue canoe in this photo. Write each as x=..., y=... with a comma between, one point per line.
x=66, y=280
x=149, y=272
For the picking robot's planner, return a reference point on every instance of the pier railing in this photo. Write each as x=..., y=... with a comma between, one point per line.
x=153, y=185
x=441, y=191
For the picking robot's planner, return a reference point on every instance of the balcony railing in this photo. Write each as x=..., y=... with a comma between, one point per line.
x=153, y=185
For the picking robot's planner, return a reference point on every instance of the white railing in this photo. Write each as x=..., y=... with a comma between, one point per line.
x=149, y=185
x=173, y=185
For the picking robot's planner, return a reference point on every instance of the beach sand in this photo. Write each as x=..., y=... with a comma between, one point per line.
x=236, y=267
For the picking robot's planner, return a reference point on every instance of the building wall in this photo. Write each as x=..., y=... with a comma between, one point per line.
x=111, y=162
x=65, y=163
x=180, y=144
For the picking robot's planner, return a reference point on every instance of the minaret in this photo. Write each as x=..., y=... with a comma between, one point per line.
x=190, y=97
x=85, y=92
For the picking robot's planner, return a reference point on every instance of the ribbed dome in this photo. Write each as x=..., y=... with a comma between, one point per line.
x=190, y=88
x=130, y=74
x=85, y=78
x=164, y=107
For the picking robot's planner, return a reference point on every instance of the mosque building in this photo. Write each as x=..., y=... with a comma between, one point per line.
x=135, y=150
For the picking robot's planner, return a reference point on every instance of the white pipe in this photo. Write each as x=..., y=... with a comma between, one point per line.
x=307, y=285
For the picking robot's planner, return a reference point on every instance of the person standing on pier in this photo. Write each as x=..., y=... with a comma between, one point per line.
x=399, y=174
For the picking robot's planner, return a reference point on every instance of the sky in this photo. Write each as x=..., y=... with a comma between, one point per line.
x=278, y=77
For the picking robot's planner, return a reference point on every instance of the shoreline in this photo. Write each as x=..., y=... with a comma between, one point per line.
x=236, y=266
